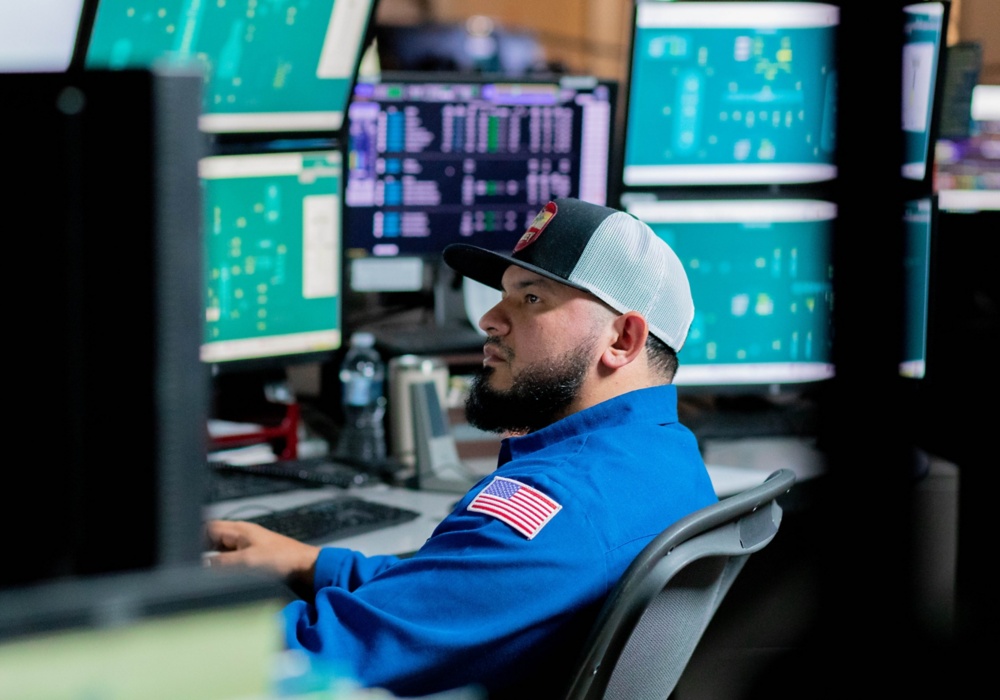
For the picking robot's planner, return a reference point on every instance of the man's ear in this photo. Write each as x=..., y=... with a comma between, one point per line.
x=632, y=331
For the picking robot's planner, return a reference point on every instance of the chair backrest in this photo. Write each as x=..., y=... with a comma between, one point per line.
x=649, y=626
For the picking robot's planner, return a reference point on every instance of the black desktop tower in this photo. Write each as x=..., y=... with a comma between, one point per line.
x=108, y=398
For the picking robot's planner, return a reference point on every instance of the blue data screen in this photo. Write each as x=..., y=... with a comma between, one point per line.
x=432, y=162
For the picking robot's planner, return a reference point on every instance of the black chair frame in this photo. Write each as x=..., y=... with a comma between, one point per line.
x=650, y=624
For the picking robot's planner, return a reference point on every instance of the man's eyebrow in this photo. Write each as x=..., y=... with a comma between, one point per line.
x=530, y=282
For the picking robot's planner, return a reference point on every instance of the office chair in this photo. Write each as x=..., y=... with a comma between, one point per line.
x=650, y=624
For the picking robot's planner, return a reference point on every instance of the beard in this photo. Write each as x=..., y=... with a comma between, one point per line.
x=537, y=397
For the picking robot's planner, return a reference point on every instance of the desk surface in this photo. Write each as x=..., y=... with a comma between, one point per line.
x=733, y=467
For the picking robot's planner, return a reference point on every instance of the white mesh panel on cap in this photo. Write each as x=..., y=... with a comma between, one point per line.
x=628, y=267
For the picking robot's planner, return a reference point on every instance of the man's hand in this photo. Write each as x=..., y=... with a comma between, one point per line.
x=250, y=545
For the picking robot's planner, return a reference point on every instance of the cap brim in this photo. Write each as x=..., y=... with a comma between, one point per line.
x=483, y=266
x=487, y=267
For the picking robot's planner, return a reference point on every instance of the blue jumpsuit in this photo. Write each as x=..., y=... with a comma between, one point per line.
x=503, y=592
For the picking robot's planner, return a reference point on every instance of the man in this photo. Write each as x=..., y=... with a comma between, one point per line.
x=579, y=359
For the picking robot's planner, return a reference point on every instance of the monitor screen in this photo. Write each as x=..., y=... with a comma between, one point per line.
x=918, y=224
x=272, y=251
x=924, y=30
x=761, y=276
x=438, y=159
x=726, y=93
x=268, y=66
x=38, y=36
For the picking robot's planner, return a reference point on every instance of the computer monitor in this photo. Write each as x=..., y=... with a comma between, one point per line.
x=731, y=93
x=960, y=311
x=919, y=222
x=434, y=159
x=925, y=27
x=102, y=201
x=962, y=324
x=761, y=276
x=272, y=257
x=186, y=632
x=38, y=36
x=269, y=67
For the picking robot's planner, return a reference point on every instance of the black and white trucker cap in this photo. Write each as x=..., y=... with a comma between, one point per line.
x=606, y=252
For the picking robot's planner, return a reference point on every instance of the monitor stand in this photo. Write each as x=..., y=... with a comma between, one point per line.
x=448, y=331
x=264, y=402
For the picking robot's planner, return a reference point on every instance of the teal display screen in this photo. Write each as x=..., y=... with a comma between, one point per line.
x=727, y=93
x=269, y=65
x=272, y=233
x=761, y=275
x=918, y=225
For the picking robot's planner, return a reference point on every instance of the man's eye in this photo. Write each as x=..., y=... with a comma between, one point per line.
x=531, y=298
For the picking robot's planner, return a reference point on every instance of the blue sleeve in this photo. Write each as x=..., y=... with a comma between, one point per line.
x=347, y=569
x=476, y=592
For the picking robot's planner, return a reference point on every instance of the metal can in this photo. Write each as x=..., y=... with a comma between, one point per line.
x=404, y=371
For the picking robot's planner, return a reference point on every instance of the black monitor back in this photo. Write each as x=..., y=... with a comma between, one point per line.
x=104, y=302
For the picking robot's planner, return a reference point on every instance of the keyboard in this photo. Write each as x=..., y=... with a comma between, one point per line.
x=226, y=482
x=321, y=471
x=229, y=481
x=333, y=518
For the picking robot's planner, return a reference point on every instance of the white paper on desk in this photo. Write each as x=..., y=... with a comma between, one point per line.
x=251, y=454
x=223, y=428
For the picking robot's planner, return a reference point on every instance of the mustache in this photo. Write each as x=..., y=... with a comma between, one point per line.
x=505, y=351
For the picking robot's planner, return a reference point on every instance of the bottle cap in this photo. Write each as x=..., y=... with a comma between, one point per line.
x=363, y=339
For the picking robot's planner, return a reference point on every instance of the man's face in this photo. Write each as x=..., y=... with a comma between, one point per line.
x=543, y=344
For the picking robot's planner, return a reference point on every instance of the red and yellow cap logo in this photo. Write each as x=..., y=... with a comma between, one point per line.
x=542, y=220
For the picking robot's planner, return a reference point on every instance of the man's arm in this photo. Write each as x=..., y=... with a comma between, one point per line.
x=252, y=546
x=303, y=567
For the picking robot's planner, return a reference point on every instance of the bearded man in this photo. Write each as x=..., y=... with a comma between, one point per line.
x=577, y=374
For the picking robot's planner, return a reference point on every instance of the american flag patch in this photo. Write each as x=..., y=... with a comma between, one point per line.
x=523, y=508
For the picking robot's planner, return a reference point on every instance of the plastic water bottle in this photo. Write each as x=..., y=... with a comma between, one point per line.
x=362, y=382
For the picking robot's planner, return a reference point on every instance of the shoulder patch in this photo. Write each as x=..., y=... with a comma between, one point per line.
x=524, y=508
